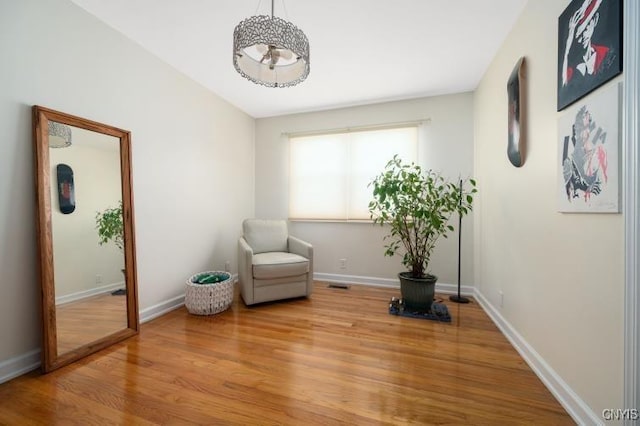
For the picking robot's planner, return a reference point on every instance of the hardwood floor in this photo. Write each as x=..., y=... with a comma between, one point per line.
x=88, y=320
x=336, y=358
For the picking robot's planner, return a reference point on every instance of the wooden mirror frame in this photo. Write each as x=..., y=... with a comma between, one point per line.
x=51, y=360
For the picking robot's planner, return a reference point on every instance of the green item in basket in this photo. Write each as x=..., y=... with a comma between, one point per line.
x=210, y=278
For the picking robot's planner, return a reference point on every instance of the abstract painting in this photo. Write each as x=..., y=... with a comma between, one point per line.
x=589, y=47
x=588, y=133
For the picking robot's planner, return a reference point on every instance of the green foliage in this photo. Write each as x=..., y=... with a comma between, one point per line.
x=211, y=278
x=110, y=226
x=417, y=205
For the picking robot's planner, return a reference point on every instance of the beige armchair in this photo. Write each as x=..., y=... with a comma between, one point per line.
x=273, y=265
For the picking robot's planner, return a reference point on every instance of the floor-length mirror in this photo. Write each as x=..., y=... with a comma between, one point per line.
x=85, y=229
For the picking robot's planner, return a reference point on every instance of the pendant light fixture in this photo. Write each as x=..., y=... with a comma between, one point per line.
x=270, y=51
x=59, y=135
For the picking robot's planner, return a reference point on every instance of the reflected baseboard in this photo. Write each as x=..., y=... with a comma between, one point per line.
x=89, y=293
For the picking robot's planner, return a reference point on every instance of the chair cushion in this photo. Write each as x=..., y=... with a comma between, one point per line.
x=265, y=235
x=279, y=264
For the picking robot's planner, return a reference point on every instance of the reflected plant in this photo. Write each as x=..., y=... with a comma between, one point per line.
x=110, y=226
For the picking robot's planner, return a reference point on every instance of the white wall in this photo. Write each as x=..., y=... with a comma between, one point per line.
x=561, y=274
x=192, y=154
x=450, y=150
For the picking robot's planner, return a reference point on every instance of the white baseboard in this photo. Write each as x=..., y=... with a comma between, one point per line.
x=355, y=279
x=465, y=290
x=575, y=406
x=19, y=365
x=571, y=402
x=22, y=364
x=88, y=293
x=387, y=282
x=161, y=308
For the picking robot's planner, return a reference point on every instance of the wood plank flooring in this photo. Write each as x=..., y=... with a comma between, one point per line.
x=87, y=320
x=336, y=358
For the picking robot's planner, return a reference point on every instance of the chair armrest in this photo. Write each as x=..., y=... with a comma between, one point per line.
x=245, y=270
x=244, y=247
x=304, y=249
x=299, y=247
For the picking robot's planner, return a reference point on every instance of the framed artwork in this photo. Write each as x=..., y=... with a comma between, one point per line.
x=589, y=47
x=588, y=167
x=517, y=129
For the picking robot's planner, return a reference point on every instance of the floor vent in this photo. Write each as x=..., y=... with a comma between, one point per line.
x=339, y=285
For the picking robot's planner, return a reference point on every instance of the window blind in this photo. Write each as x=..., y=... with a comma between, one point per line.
x=330, y=173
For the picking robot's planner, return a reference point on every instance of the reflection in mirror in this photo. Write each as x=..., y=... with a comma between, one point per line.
x=88, y=276
x=85, y=235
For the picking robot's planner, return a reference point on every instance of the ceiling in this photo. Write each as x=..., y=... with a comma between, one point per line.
x=362, y=51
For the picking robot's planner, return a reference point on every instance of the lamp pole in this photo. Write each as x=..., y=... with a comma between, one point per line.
x=458, y=298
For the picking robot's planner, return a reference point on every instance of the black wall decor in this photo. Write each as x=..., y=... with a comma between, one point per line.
x=589, y=47
x=517, y=124
x=66, y=189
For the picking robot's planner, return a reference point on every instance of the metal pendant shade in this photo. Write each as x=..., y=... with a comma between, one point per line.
x=270, y=51
x=59, y=135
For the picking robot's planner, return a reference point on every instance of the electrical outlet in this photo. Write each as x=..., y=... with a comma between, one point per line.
x=98, y=279
x=501, y=294
x=343, y=263
x=227, y=266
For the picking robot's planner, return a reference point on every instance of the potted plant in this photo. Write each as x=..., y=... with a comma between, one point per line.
x=110, y=227
x=416, y=204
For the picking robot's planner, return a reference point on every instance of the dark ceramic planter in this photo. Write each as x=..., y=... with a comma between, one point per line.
x=417, y=293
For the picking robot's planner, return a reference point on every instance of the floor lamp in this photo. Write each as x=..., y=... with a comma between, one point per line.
x=458, y=298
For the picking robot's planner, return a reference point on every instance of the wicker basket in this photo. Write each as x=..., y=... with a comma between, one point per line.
x=208, y=299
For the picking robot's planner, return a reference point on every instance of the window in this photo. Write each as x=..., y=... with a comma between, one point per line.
x=329, y=173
